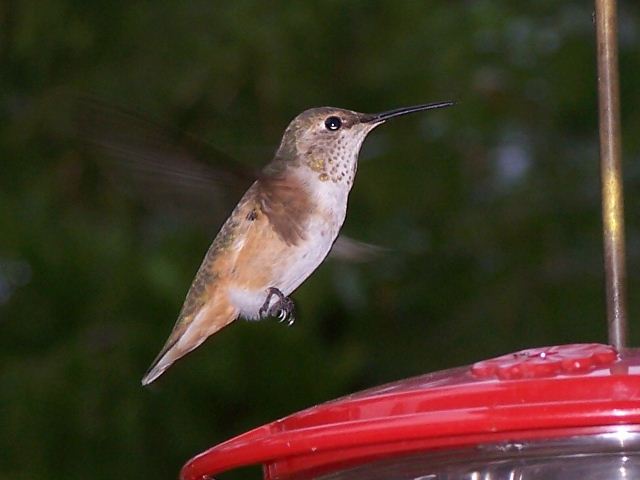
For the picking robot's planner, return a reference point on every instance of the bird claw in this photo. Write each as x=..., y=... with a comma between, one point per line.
x=287, y=317
x=283, y=309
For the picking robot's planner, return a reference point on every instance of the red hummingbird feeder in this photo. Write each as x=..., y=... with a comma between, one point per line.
x=559, y=412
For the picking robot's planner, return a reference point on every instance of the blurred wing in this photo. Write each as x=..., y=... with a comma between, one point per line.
x=167, y=170
x=351, y=250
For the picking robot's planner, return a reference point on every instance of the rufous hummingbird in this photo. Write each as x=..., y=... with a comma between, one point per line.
x=281, y=230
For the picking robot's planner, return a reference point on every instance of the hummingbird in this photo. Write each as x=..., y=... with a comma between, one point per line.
x=280, y=231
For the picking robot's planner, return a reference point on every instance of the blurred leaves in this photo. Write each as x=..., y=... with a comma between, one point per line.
x=489, y=209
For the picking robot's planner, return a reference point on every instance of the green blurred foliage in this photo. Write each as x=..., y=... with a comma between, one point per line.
x=489, y=210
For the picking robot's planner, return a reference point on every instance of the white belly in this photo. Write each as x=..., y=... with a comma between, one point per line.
x=301, y=261
x=306, y=257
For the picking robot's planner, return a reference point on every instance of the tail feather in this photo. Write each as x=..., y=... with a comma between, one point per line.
x=188, y=334
x=164, y=360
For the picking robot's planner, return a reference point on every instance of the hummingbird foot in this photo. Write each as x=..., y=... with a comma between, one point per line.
x=283, y=308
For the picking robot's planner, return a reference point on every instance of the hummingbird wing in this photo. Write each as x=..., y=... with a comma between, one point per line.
x=167, y=170
x=351, y=250
x=174, y=173
x=286, y=205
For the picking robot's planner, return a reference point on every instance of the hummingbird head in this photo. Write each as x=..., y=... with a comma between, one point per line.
x=327, y=140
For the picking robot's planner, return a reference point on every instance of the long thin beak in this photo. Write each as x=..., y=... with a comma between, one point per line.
x=381, y=117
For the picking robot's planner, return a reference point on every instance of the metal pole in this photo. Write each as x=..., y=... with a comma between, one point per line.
x=611, y=170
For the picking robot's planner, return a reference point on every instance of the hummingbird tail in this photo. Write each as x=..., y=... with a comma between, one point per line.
x=188, y=334
x=158, y=367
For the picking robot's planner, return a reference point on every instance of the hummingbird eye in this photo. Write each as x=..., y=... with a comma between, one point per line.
x=333, y=123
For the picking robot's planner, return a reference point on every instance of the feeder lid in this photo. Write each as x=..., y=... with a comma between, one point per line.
x=539, y=393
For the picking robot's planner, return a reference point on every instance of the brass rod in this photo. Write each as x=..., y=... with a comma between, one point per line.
x=611, y=170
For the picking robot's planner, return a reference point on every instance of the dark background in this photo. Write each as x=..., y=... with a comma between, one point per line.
x=489, y=210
